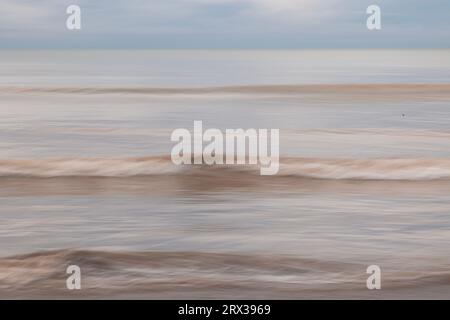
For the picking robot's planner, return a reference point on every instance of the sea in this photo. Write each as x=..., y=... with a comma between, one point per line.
x=86, y=177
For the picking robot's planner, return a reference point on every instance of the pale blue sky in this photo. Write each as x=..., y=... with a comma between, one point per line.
x=268, y=24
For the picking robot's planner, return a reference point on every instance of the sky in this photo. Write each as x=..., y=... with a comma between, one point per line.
x=224, y=24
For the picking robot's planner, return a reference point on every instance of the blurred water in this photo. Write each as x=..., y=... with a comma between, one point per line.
x=222, y=67
x=396, y=224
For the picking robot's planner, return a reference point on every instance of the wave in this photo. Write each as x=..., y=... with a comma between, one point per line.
x=336, y=169
x=369, y=169
x=193, y=274
x=153, y=274
x=88, y=167
x=376, y=90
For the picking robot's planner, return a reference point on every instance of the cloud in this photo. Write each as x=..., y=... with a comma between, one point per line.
x=19, y=14
x=223, y=23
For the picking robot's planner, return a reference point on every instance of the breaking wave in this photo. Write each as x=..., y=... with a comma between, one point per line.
x=369, y=169
x=363, y=169
x=191, y=274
